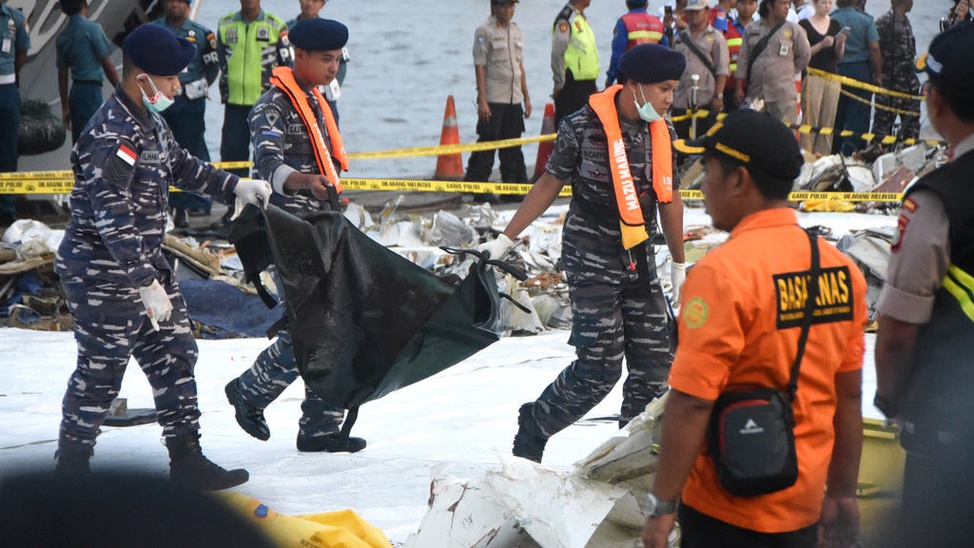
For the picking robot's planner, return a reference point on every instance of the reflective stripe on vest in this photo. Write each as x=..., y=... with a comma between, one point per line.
x=734, y=50
x=283, y=78
x=960, y=285
x=245, y=68
x=582, y=55
x=642, y=28
x=631, y=220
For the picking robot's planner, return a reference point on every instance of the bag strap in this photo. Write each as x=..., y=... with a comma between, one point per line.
x=759, y=48
x=807, y=317
x=688, y=41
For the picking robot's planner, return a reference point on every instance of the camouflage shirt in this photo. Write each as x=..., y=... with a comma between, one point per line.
x=123, y=167
x=282, y=146
x=592, y=242
x=898, y=47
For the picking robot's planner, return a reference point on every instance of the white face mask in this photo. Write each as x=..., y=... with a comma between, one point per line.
x=646, y=111
x=158, y=102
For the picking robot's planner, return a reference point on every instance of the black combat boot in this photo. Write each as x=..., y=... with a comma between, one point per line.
x=180, y=218
x=188, y=466
x=250, y=418
x=332, y=443
x=530, y=441
x=72, y=459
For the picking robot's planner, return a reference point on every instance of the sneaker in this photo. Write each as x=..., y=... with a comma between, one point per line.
x=250, y=418
x=332, y=443
x=529, y=442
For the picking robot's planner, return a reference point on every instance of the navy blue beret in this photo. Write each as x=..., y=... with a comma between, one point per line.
x=948, y=60
x=651, y=63
x=156, y=50
x=318, y=35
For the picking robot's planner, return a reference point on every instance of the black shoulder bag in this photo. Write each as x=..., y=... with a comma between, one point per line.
x=751, y=436
x=759, y=48
x=686, y=39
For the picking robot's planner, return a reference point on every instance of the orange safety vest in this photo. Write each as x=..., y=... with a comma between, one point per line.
x=283, y=78
x=631, y=220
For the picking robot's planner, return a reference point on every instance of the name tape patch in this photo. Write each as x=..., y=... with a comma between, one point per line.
x=833, y=304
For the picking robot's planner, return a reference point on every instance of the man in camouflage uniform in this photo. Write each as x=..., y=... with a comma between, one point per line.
x=186, y=116
x=618, y=306
x=898, y=47
x=119, y=287
x=284, y=154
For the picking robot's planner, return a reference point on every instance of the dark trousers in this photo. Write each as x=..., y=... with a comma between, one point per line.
x=9, y=121
x=110, y=326
x=883, y=119
x=937, y=503
x=573, y=96
x=506, y=122
x=186, y=121
x=84, y=99
x=852, y=114
x=698, y=530
x=235, y=144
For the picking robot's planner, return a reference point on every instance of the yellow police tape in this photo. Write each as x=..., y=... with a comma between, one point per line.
x=853, y=83
x=880, y=106
x=64, y=186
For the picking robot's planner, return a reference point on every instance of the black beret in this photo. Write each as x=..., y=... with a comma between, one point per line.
x=157, y=50
x=757, y=140
x=651, y=63
x=318, y=35
x=948, y=59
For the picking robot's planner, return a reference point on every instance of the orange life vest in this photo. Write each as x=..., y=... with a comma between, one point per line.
x=631, y=220
x=283, y=78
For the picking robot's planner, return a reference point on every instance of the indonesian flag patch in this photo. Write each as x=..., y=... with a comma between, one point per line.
x=126, y=154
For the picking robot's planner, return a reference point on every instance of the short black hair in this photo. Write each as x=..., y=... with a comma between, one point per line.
x=72, y=7
x=771, y=188
x=958, y=100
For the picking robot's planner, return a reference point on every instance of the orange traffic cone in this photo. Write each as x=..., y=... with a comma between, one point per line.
x=545, y=147
x=449, y=166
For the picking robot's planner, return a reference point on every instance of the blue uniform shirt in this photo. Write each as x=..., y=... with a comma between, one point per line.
x=862, y=31
x=14, y=37
x=205, y=64
x=81, y=46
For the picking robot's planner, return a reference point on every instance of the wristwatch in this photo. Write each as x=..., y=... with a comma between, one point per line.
x=656, y=508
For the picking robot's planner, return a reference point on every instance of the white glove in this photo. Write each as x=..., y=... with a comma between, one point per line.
x=678, y=274
x=251, y=191
x=156, y=302
x=498, y=247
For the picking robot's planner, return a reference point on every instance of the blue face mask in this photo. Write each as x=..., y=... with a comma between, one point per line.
x=158, y=102
x=646, y=111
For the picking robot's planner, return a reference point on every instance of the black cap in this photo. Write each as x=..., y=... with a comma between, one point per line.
x=319, y=35
x=756, y=140
x=156, y=50
x=948, y=60
x=651, y=63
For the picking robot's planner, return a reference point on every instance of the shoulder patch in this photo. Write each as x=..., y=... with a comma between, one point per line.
x=695, y=313
x=121, y=165
x=563, y=26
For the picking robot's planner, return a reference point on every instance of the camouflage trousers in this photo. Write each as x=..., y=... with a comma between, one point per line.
x=274, y=370
x=610, y=322
x=110, y=326
x=883, y=119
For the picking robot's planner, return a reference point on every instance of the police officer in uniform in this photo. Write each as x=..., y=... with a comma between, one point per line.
x=288, y=123
x=14, y=43
x=618, y=145
x=574, y=59
x=186, y=115
x=926, y=326
x=119, y=287
x=250, y=43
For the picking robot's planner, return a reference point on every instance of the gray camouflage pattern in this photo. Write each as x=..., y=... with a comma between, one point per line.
x=111, y=247
x=898, y=47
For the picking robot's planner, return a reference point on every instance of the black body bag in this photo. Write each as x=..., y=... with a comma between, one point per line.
x=751, y=436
